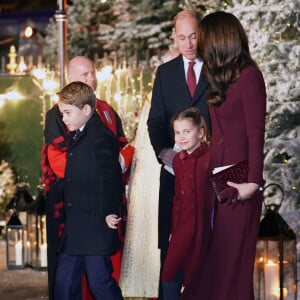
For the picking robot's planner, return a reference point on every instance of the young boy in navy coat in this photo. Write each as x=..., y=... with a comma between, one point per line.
x=92, y=194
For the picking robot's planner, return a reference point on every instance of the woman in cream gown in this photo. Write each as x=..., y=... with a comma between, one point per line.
x=140, y=264
x=141, y=257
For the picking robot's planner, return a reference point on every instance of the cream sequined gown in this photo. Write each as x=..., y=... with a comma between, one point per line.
x=140, y=264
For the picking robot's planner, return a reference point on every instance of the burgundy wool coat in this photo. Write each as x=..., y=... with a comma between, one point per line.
x=238, y=126
x=187, y=213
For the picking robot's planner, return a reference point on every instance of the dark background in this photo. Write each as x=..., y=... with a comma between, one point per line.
x=26, y=5
x=16, y=14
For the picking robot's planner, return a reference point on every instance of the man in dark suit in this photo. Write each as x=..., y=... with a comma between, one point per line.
x=93, y=191
x=172, y=92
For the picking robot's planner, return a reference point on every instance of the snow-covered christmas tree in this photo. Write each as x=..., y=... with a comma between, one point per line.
x=273, y=29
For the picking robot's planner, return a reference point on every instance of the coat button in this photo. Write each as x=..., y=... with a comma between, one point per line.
x=67, y=179
x=182, y=192
x=69, y=204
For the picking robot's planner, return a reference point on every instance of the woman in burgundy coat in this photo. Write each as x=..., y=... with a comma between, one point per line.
x=190, y=168
x=237, y=108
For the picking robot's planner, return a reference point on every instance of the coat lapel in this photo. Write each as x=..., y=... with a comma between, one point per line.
x=201, y=88
x=180, y=73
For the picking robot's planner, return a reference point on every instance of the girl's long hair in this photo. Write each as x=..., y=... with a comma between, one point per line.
x=224, y=48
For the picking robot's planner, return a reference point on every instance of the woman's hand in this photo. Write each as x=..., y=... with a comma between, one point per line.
x=245, y=190
x=112, y=221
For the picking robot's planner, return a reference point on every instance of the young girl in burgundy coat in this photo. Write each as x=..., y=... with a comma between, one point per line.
x=190, y=168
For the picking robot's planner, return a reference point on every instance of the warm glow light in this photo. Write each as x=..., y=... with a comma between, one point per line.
x=39, y=73
x=19, y=256
x=276, y=292
x=54, y=98
x=117, y=97
x=1, y=100
x=28, y=32
x=272, y=278
x=118, y=72
x=43, y=250
x=28, y=251
x=22, y=67
x=105, y=73
x=13, y=96
x=50, y=85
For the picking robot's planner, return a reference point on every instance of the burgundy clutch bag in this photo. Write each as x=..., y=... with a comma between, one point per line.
x=237, y=173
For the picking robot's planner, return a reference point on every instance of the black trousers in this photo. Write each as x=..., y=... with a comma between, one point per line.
x=98, y=268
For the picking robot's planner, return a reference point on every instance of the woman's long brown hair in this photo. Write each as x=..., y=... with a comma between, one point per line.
x=223, y=46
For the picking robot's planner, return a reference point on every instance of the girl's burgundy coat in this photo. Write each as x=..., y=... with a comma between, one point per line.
x=187, y=213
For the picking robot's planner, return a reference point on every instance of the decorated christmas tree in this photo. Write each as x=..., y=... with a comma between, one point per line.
x=133, y=29
x=274, y=37
x=85, y=19
x=142, y=28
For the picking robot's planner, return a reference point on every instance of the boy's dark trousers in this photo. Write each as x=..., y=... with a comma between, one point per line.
x=70, y=269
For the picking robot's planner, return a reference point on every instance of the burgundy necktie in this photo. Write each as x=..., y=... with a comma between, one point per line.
x=191, y=78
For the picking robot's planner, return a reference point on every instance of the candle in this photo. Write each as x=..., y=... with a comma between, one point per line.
x=272, y=280
x=277, y=293
x=43, y=250
x=28, y=252
x=19, y=257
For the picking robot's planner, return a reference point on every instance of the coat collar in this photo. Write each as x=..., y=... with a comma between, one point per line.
x=196, y=153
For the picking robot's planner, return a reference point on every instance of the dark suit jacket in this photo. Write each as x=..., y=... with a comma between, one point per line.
x=170, y=95
x=92, y=189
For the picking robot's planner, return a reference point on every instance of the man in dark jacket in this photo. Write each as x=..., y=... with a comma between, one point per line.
x=172, y=93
